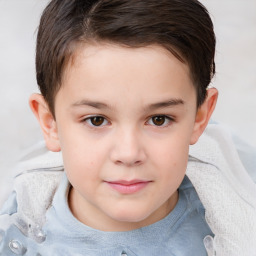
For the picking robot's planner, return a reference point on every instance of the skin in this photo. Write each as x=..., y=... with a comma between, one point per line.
x=145, y=102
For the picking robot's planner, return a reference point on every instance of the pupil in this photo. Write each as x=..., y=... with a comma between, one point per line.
x=158, y=120
x=97, y=120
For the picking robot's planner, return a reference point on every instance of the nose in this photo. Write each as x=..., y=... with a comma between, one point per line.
x=128, y=148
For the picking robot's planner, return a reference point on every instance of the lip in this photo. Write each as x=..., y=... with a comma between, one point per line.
x=128, y=187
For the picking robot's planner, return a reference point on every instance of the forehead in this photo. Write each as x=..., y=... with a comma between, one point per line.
x=148, y=71
x=90, y=53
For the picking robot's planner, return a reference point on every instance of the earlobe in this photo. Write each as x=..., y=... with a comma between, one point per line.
x=204, y=113
x=46, y=120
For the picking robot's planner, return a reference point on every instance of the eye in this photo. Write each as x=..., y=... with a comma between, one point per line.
x=96, y=121
x=160, y=120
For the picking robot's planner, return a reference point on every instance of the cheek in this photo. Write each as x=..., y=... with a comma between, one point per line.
x=173, y=151
x=170, y=159
x=81, y=161
x=82, y=171
x=79, y=146
x=81, y=158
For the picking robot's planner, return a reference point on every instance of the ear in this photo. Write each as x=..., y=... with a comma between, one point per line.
x=46, y=120
x=203, y=114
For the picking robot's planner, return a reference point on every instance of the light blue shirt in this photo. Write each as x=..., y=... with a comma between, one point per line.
x=181, y=233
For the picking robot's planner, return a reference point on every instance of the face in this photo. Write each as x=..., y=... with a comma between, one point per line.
x=124, y=120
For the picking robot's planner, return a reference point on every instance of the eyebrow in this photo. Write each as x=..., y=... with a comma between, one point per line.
x=94, y=104
x=165, y=104
x=101, y=105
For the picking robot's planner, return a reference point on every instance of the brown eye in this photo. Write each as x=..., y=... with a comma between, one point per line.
x=96, y=120
x=158, y=120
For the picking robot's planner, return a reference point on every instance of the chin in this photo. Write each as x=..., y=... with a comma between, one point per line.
x=130, y=216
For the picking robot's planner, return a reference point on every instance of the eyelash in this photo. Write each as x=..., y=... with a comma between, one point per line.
x=166, y=122
x=89, y=119
x=103, y=121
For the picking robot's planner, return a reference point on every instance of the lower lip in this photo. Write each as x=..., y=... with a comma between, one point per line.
x=129, y=188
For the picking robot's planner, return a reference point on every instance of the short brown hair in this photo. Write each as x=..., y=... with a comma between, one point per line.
x=183, y=27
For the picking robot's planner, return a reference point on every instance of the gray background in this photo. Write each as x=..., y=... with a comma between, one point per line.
x=235, y=27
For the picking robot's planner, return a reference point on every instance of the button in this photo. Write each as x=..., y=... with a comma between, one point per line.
x=209, y=245
x=17, y=247
x=39, y=234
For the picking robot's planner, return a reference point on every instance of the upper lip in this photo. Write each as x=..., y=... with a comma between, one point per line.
x=128, y=182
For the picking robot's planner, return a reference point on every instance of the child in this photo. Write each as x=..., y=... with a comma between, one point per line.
x=125, y=92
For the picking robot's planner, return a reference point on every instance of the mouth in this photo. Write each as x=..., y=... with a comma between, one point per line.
x=128, y=187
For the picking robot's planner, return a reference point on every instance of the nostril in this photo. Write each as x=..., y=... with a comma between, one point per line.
x=138, y=163
x=128, y=163
x=118, y=162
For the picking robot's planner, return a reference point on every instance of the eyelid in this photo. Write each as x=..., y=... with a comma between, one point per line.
x=169, y=118
x=88, y=122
